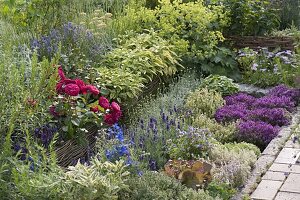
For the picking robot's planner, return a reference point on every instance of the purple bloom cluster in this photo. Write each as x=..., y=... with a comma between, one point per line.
x=257, y=132
x=274, y=102
x=260, y=117
x=238, y=98
x=273, y=116
x=45, y=133
x=231, y=112
x=70, y=37
x=282, y=90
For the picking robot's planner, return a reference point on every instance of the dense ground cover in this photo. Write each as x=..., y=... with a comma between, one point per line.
x=130, y=99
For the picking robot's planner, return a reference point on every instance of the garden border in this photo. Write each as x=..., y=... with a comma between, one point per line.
x=267, y=157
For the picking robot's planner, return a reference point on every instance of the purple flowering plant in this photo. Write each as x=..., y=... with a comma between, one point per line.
x=259, y=118
x=257, y=132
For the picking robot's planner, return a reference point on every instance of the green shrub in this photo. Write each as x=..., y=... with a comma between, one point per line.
x=192, y=144
x=233, y=163
x=222, y=190
x=120, y=84
x=222, y=133
x=158, y=186
x=97, y=181
x=39, y=15
x=25, y=84
x=251, y=17
x=147, y=55
x=173, y=96
x=193, y=28
x=203, y=101
x=221, y=84
x=222, y=63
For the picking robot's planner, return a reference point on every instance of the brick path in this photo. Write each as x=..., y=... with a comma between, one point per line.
x=282, y=180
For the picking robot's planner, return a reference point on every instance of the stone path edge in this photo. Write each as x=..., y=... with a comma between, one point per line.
x=267, y=158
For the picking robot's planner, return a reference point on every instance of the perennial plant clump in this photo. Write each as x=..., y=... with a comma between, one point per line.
x=76, y=106
x=260, y=118
x=257, y=132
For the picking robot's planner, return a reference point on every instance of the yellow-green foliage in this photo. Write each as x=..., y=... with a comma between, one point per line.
x=203, y=101
x=222, y=133
x=193, y=28
x=145, y=54
x=121, y=84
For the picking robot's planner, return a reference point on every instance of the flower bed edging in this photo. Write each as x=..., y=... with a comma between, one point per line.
x=268, y=156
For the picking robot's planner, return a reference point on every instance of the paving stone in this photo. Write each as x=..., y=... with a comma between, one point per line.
x=277, y=167
x=275, y=176
x=287, y=196
x=292, y=184
x=266, y=190
x=292, y=144
x=288, y=156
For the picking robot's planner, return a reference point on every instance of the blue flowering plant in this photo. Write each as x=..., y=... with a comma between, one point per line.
x=149, y=138
x=79, y=48
x=266, y=68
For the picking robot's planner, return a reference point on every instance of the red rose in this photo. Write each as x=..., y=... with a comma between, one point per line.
x=104, y=103
x=109, y=119
x=80, y=83
x=91, y=89
x=72, y=89
x=115, y=107
x=61, y=73
x=116, y=115
x=94, y=109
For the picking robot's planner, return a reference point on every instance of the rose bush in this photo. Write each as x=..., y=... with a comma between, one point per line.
x=79, y=105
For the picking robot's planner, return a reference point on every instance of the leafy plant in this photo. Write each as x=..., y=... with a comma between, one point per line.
x=222, y=133
x=204, y=101
x=271, y=67
x=147, y=55
x=192, y=144
x=251, y=17
x=222, y=63
x=39, y=15
x=222, y=190
x=120, y=83
x=155, y=185
x=220, y=84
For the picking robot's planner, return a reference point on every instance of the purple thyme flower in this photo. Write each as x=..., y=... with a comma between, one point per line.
x=273, y=116
x=240, y=98
x=274, y=102
x=257, y=132
x=282, y=90
x=231, y=113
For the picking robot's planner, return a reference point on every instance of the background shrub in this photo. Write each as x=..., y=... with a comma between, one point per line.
x=222, y=133
x=204, y=101
x=220, y=84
